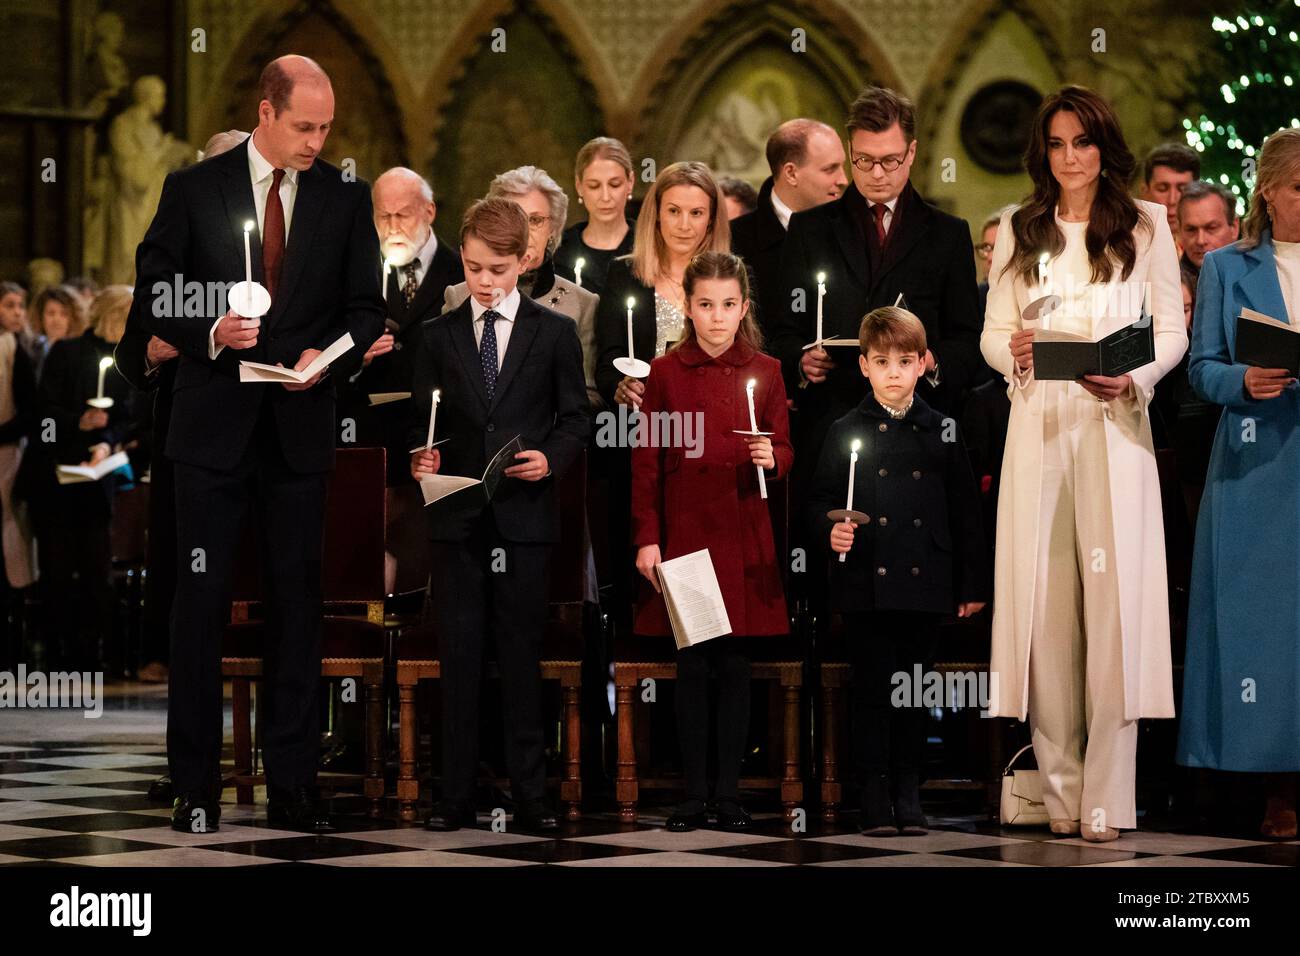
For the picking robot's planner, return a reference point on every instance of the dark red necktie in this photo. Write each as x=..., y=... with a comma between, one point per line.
x=273, y=234
x=879, y=210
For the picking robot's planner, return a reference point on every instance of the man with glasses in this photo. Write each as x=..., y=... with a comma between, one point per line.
x=878, y=240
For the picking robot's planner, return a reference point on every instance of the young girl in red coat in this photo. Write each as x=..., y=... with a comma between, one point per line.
x=707, y=496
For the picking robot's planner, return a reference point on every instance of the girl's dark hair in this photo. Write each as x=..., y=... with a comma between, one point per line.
x=721, y=265
x=1115, y=214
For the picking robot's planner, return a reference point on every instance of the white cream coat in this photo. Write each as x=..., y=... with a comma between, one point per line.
x=1138, y=530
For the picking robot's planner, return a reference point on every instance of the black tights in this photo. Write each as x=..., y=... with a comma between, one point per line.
x=726, y=659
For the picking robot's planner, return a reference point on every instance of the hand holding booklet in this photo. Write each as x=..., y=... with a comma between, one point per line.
x=1266, y=342
x=695, y=606
x=434, y=487
x=278, y=374
x=72, y=474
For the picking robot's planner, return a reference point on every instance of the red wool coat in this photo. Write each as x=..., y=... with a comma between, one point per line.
x=712, y=501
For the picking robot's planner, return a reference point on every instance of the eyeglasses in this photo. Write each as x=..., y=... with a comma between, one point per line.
x=536, y=222
x=984, y=248
x=888, y=164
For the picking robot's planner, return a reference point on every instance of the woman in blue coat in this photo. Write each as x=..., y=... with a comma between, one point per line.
x=1241, y=693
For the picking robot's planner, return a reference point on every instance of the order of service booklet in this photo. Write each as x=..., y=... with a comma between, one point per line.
x=694, y=600
x=1066, y=356
x=434, y=487
x=1267, y=342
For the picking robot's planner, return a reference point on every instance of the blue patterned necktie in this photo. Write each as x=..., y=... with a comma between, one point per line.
x=487, y=351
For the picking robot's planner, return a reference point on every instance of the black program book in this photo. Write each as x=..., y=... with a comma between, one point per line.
x=1265, y=342
x=1064, y=356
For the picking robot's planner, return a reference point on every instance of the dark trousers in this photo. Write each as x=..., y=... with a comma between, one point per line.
x=483, y=594
x=76, y=585
x=289, y=511
x=160, y=576
x=725, y=659
x=888, y=739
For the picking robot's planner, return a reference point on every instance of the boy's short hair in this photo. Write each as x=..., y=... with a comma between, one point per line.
x=501, y=224
x=891, y=327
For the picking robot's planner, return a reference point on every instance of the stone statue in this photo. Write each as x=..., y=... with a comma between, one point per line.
x=140, y=157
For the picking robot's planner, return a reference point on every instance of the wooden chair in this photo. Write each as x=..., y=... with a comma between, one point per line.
x=353, y=630
x=128, y=535
x=418, y=658
x=638, y=658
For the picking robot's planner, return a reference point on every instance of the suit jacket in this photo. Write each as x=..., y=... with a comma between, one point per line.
x=562, y=296
x=539, y=396
x=611, y=325
x=329, y=285
x=385, y=425
x=928, y=258
x=757, y=237
x=923, y=549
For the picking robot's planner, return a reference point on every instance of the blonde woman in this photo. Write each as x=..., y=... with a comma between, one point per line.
x=603, y=180
x=1241, y=687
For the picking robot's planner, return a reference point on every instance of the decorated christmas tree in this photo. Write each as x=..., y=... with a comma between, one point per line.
x=1250, y=90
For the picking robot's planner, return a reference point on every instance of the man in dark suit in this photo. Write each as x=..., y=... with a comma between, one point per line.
x=504, y=366
x=313, y=247
x=880, y=239
x=807, y=162
x=421, y=267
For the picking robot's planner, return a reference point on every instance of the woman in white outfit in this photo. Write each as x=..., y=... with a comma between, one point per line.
x=1080, y=613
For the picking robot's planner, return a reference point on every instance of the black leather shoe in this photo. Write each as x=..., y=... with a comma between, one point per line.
x=536, y=816
x=877, y=813
x=691, y=815
x=160, y=791
x=299, y=808
x=908, y=815
x=194, y=813
x=449, y=815
x=733, y=818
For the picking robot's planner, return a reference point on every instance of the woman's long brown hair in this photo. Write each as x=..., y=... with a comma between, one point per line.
x=1115, y=214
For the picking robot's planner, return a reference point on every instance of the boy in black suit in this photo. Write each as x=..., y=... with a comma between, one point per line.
x=918, y=557
x=504, y=366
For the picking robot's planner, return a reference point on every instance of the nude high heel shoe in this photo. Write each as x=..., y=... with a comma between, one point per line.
x=1065, y=827
x=1099, y=836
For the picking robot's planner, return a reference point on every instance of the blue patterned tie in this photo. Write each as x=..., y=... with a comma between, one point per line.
x=487, y=351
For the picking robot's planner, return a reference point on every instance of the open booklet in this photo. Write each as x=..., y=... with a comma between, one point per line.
x=1267, y=342
x=261, y=372
x=72, y=474
x=1065, y=356
x=384, y=398
x=694, y=600
x=434, y=487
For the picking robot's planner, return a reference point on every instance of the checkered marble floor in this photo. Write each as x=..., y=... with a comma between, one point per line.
x=87, y=805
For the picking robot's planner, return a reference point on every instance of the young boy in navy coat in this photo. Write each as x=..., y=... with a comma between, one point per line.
x=917, y=557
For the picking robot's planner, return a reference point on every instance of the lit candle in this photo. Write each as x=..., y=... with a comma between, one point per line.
x=104, y=363
x=577, y=271
x=753, y=427
x=821, y=291
x=1042, y=274
x=388, y=264
x=853, y=467
x=433, y=417
x=248, y=255
x=630, y=302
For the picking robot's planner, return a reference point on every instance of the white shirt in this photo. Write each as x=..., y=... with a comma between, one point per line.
x=506, y=311
x=889, y=214
x=783, y=212
x=261, y=173
x=1287, y=256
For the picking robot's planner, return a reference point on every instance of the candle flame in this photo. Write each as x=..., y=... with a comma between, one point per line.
x=248, y=226
x=630, y=302
x=581, y=262
x=750, y=384
x=106, y=361
x=821, y=277
x=1042, y=260
x=437, y=395
x=855, y=446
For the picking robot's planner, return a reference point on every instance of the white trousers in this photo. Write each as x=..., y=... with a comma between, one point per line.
x=1086, y=750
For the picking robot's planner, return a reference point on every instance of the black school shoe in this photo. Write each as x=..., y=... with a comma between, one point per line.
x=691, y=815
x=194, y=812
x=733, y=818
x=877, y=819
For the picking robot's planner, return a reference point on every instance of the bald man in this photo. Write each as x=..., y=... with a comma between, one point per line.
x=806, y=158
x=265, y=449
